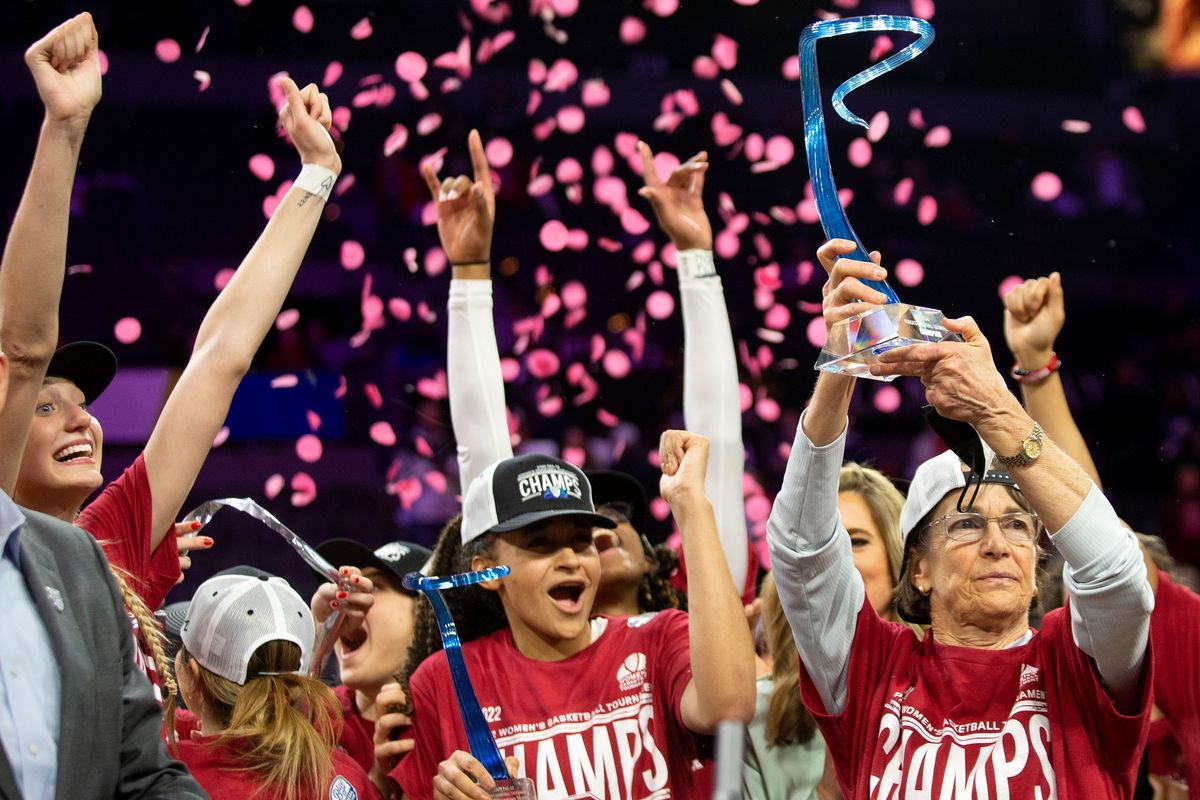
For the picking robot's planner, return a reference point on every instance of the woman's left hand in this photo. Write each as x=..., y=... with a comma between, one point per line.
x=186, y=541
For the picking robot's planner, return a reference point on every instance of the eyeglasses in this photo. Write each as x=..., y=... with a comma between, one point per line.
x=1018, y=527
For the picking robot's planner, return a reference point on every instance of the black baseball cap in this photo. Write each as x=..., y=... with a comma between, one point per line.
x=89, y=365
x=612, y=486
x=525, y=489
x=395, y=559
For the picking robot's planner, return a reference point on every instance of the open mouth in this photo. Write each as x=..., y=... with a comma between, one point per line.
x=74, y=453
x=353, y=641
x=605, y=540
x=568, y=596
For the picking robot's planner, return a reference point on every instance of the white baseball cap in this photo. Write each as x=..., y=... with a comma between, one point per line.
x=231, y=616
x=937, y=477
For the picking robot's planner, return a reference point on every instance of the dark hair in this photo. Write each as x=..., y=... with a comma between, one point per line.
x=477, y=611
x=914, y=606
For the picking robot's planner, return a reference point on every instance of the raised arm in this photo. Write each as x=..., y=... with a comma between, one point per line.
x=1105, y=574
x=711, y=407
x=239, y=319
x=819, y=587
x=66, y=68
x=466, y=212
x=1034, y=314
x=722, y=652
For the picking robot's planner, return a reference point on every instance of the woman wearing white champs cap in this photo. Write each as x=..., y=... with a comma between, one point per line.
x=266, y=728
x=984, y=705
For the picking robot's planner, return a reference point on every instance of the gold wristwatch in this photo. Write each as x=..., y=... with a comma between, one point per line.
x=1031, y=448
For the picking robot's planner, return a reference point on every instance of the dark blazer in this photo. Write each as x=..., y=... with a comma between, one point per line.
x=110, y=739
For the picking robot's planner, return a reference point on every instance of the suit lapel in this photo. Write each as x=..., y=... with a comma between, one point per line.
x=53, y=601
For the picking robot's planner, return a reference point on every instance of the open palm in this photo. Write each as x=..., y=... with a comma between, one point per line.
x=678, y=203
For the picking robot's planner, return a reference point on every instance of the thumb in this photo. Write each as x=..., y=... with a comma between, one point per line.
x=295, y=102
x=1056, y=290
x=964, y=326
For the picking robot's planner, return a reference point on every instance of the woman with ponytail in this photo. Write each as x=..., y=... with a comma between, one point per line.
x=266, y=728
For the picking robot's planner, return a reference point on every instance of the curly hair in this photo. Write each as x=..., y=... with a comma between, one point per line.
x=477, y=612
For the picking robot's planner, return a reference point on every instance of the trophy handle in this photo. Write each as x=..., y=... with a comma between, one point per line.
x=833, y=217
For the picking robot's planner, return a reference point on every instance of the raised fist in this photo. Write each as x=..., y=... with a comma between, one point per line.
x=65, y=64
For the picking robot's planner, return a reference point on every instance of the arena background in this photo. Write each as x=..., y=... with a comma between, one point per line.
x=1030, y=137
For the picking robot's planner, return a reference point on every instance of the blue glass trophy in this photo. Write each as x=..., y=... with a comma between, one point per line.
x=855, y=343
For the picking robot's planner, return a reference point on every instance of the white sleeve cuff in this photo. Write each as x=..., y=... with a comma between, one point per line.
x=694, y=264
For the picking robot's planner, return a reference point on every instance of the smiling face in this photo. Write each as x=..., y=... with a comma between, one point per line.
x=549, y=592
x=623, y=561
x=870, y=553
x=987, y=584
x=61, y=463
x=374, y=652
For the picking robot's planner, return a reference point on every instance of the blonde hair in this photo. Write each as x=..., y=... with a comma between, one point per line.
x=884, y=501
x=788, y=721
x=281, y=727
x=149, y=634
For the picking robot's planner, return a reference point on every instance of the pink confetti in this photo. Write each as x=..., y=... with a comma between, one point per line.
x=1009, y=283
x=285, y=381
x=658, y=507
x=745, y=397
x=1046, y=186
x=568, y=171
x=499, y=152
x=633, y=30
x=731, y=92
x=429, y=123
x=881, y=46
x=1133, y=119
x=860, y=152
x=373, y=395
x=791, y=68
x=304, y=489
x=396, y=140
x=332, y=73
x=922, y=8
x=313, y=419
x=643, y=253
x=341, y=121
x=542, y=363
x=434, y=388
x=1076, y=125
x=262, y=166
x=222, y=278
x=302, y=19
x=570, y=119
x=724, y=132
x=203, y=38
x=705, y=68
x=411, y=66
x=167, y=51
x=309, y=449
x=816, y=332
x=102, y=57
x=127, y=330
x=727, y=244
x=382, y=434
x=887, y=399
x=616, y=364
x=725, y=51
x=633, y=222
x=595, y=93
x=221, y=437
x=553, y=235
x=916, y=119
x=543, y=129
x=400, y=308
x=577, y=239
x=561, y=75
x=361, y=30
x=287, y=319
x=510, y=369
x=879, y=126
x=903, y=191
x=777, y=317
x=662, y=8
x=909, y=272
x=780, y=150
x=927, y=209
x=273, y=486
x=938, y=136
x=767, y=409
x=540, y=185
x=660, y=305
x=203, y=79
x=551, y=305
x=79, y=269
x=352, y=255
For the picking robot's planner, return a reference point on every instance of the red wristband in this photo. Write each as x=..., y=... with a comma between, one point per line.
x=1034, y=375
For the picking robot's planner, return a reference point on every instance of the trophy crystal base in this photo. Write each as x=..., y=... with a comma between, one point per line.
x=855, y=343
x=514, y=789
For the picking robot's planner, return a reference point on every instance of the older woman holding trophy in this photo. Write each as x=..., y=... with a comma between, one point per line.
x=984, y=706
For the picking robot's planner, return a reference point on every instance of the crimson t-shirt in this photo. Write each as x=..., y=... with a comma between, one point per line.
x=605, y=721
x=358, y=734
x=1175, y=635
x=923, y=719
x=120, y=519
x=217, y=771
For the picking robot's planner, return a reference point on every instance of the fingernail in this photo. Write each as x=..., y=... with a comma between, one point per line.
x=208, y=541
x=342, y=595
x=879, y=273
x=196, y=525
x=333, y=603
x=345, y=570
x=354, y=580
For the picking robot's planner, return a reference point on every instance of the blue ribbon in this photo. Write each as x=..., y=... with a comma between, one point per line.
x=829, y=208
x=479, y=736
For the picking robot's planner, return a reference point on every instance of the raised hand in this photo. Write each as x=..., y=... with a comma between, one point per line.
x=388, y=727
x=684, y=459
x=960, y=378
x=186, y=541
x=65, y=64
x=354, y=603
x=678, y=203
x=306, y=119
x=466, y=209
x=1033, y=317
x=844, y=294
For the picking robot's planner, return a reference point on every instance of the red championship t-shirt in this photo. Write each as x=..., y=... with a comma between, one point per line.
x=604, y=721
x=358, y=734
x=1175, y=634
x=216, y=770
x=929, y=720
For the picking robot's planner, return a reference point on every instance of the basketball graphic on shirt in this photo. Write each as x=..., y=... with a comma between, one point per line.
x=632, y=672
x=342, y=789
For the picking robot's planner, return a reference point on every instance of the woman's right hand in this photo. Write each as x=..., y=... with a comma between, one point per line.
x=463, y=777
x=466, y=209
x=389, y=725
x=844, y=293
x=354, y=603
